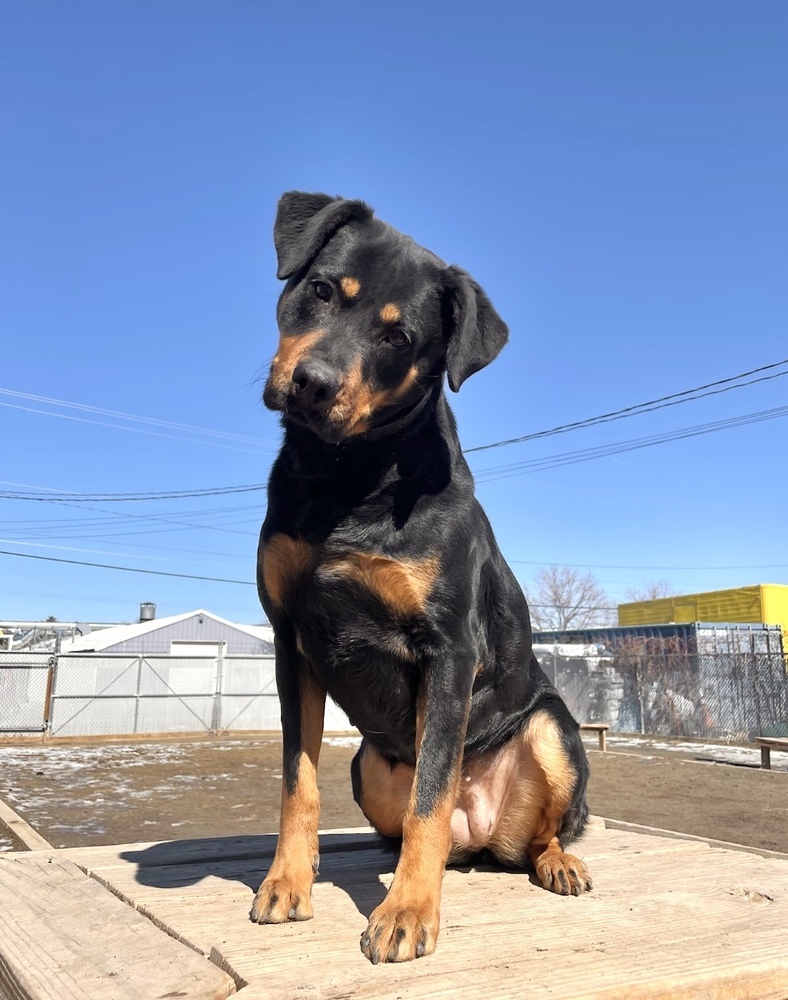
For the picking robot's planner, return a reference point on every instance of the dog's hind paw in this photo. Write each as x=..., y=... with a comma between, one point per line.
x=563, y=873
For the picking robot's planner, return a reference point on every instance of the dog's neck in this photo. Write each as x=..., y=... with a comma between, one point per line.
x=318, y=484
x=399, y=421
x=413, y=428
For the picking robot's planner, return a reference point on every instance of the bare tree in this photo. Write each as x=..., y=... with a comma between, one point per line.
x=562, y=598
x=651, y=591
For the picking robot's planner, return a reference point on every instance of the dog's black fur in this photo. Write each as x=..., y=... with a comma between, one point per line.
x=378, y=567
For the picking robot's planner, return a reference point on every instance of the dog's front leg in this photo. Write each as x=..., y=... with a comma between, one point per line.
x=286, y=891
x=406, y=924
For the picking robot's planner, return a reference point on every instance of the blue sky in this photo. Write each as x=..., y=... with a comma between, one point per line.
x=612, y=173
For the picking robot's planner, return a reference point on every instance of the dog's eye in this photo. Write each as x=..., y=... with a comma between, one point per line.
x=397, y=338
x=322, y=290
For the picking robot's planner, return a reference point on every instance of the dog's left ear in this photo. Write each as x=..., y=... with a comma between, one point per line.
x=474, y=330
x=306, y=222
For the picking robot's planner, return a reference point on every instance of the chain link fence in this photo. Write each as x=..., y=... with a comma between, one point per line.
x=25, y=685
x=723, y=696
x=95, y=695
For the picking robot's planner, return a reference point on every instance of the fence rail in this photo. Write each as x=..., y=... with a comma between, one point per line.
x=734, y=696
x=92, y=695
x=721, y=696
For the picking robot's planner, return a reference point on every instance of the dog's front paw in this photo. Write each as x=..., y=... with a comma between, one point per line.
x=400, y=934
x=281, y=899
x=563, y=873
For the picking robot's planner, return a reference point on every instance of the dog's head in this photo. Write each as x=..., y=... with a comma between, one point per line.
x=368, y=320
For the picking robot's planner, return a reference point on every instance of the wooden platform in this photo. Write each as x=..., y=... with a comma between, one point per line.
x=668, y=918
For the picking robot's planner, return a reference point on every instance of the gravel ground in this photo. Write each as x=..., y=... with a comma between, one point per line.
x=116, y=793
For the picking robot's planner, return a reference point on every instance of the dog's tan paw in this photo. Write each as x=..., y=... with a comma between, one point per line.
x=281, y=899
x=563, y=873
x=400, y=934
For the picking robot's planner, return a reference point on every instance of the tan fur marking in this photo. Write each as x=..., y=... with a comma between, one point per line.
x=403, y=585
x=407, y=382
x=385, y=791
x=407, y=922
x=350, y=287
x=540, y=790
x=390, y=313
x=420, y=871
x=291, y=350
x=284, y=558
x=345, y=400
x=356, y=402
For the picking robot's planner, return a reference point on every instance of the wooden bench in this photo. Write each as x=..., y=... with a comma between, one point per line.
x=598, y=727
x=767, y=744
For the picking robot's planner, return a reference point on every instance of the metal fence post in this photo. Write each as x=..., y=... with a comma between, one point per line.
x=640, y=696
x=137, y=696
x=48, y=695
x=216, y=714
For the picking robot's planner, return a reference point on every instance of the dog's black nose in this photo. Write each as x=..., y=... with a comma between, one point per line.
x=315, y=384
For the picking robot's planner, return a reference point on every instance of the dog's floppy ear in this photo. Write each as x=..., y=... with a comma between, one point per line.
x=474, y=330
x=305, y=223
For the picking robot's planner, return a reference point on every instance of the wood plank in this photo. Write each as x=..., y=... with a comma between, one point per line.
x=661, y=906
x=22, y=830
x=174, y=852
x=667, y=918
x=64, y=937
x=619, y=824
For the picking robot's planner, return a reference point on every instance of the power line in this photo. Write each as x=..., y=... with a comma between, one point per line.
x=637, y=409
x=216, y=579
x=534, y=562
x=102, y=552
x=208, y=432
x=536, y=465
x=495, y=473
x=574, y=607
x=126, y=569
x=56, y=497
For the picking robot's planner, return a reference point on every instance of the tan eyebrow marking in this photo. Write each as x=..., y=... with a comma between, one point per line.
x=350, y=286
x=390, y=313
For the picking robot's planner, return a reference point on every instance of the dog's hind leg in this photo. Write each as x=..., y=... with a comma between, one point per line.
x=560, y=756
x=381, y=789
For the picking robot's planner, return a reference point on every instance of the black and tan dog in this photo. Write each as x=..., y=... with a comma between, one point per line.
x=381, y=576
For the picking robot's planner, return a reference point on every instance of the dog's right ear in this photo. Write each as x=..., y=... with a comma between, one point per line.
x=305, y=223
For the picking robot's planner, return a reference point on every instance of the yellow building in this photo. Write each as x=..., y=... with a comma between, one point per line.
x=765, y=603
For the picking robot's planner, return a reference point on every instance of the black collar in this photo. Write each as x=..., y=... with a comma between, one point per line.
x=397, y=423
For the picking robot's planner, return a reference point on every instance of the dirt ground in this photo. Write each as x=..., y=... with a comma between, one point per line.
x=115, y=793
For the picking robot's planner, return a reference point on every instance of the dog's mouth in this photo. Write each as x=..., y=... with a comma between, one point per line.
x=353, y=410
x=334, y=427
x=319, y=421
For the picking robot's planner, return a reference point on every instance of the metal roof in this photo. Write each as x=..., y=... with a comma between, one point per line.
x=101, y=639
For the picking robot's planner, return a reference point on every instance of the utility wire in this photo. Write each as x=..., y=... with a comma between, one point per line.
x=217, y=579
x=134, y=418
x=670, y=400
x=126, y=569
x=495, y=473
x=637, y=409
x=123, y=497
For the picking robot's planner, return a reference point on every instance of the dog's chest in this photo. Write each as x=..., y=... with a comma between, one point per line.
x=296, y=573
